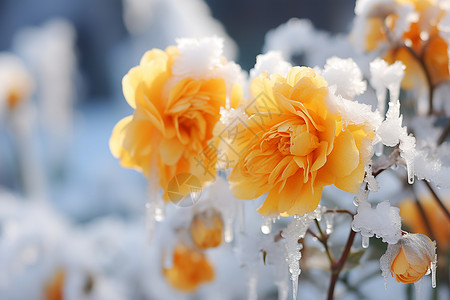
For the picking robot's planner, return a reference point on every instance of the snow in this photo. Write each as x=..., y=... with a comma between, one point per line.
x=272, y=62
x=345, y=75
x=384, y=221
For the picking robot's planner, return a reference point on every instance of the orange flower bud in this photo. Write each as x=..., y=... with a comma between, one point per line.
x=54, y=288
x=415, y=253
x=206, y=229
x=190, y=269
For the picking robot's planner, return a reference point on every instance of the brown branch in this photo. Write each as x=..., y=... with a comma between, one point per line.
x=337, y=267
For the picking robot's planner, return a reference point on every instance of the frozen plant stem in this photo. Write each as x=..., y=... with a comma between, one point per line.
x=336, y=268
x=437, y=199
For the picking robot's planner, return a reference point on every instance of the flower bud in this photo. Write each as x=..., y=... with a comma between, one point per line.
x=410, y=259
x=190, y=269
x=54, y=288
x=206, y=229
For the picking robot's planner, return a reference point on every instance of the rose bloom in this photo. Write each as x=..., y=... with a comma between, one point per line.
x=422, y=38
x=206, y=229
x=294, y=146
x=414, y=258
x=190, y=269
x=438, y=221
x=172, y=122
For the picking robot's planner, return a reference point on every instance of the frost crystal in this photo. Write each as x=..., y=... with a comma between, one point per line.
x=202, y=58
x=345, y=75
x=391, y=133
x=272, y=62
x=384, y=221
x=197, y=57
x=295, y=231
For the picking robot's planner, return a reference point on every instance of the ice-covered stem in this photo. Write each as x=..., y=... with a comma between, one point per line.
x=336, y=268
x=384, y=163
x=437, y=199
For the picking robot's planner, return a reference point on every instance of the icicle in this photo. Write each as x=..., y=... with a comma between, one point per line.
x=283, y=290
x=365, y=242
x=418, y=287
x=228, y=231
x=266, y=226
x=241, y=216
x=293, y=232
x=433, y=272
x=155, y=206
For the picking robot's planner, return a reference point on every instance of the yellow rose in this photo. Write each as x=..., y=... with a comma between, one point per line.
x=173, y=119
x=414, y=259
x=206, y=229
x=425, y=42
x=190, y=269
x=292, y=145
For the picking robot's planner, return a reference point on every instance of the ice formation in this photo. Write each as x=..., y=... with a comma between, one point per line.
x=345, y=75
x=295, y=231
x=384, y=221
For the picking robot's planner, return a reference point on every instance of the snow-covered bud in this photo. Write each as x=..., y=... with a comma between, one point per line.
x=410, y=259
x=206, y=229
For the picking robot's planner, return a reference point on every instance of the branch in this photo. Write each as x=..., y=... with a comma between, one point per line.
x=337, y=268
x=444, y=134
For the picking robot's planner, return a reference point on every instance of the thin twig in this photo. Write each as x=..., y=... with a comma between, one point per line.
x=324, y=239
x=342, y=211
x=437, y=199
x=337, y=268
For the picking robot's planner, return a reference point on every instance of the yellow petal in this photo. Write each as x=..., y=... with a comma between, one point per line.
x=303, y=144
x=345, y=155
x=130, y=83
x=170, y=151
x=118, y=136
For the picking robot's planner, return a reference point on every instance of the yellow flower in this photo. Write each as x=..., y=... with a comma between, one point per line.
x=294, y=146
x=422, y=38
x=16, y=84
x=206, y=229
x=438, y=221
x=54, y=289
x=173, y=119
x=413, y=260
x=190, y=269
